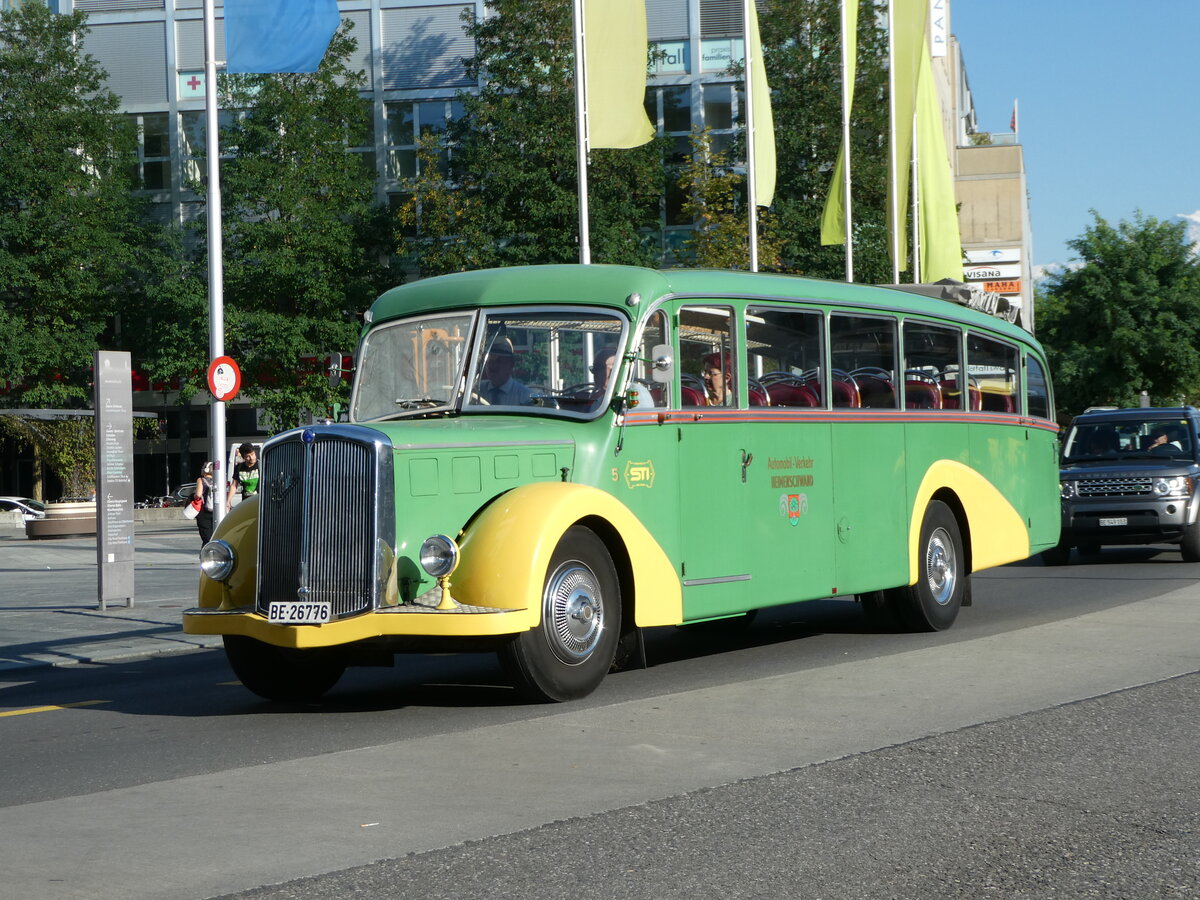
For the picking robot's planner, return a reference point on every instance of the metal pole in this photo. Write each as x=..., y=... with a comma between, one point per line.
x=893, y=153
x=916, y=207
x=751, y=186
x=581, y=134
x=216, y=274
x=846, y=86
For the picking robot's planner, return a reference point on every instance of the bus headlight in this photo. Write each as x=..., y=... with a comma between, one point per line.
x=439, y=555
x=217, y=560
x=1173, y=486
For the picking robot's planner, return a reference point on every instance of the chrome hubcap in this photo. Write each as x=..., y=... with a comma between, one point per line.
x=941, y=571
x=573, y=612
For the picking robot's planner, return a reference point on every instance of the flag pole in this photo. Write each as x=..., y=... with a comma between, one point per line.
x=846, y=86
x=751, y=185
x=216, y=275
x=893, y=150
x=916, y=205
x=581, y=134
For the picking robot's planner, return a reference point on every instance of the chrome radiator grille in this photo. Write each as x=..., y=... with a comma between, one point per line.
x=325, y=526
x=1116, y=487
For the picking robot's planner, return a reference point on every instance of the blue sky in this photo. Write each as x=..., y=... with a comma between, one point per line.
x=1109, y=115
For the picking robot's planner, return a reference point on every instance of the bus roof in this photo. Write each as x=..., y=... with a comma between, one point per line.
x=606, y=285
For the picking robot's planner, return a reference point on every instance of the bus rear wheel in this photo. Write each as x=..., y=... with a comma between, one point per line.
x=932, y=603
x=282, y=673
x=568, y=654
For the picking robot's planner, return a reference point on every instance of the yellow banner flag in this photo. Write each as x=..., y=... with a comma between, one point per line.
x=764, y=121
x=833, y=219
x=614, y=34
x=941, y=243
x=909, y=18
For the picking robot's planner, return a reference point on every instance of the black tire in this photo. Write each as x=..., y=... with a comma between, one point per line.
x=879, y=609
x=932, y=603
x=1059, y=555
x=568, y=654
x=281, y=673
x=1190, y=545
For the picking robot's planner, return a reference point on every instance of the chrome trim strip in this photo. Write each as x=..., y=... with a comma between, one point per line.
x=485, y=445
x=725, y=579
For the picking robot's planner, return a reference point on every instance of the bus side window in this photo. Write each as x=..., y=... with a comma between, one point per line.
x=862, y=352
x=654, y=335
x=932, y=363
x=707, y=357
x=992, y=368
x=1037, y=389
x=783, y=356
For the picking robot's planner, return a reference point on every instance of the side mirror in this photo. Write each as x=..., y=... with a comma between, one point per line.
x=662, y=364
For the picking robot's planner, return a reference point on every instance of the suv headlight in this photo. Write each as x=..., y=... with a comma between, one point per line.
x=1173, y=486
x=1067, y=489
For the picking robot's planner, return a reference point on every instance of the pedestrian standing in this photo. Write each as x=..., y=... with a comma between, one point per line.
x=205, y=491
x=245, y=476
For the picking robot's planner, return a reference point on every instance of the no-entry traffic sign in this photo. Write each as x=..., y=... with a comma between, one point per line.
x=224, y=378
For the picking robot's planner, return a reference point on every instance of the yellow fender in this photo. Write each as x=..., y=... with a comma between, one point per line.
x=239, y=529
x=998, y=532
x=507, y=550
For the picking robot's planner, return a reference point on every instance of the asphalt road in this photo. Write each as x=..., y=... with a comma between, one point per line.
x=1043, y=747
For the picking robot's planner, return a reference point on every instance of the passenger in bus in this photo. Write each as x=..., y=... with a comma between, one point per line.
x=718, y=379
x=498, y=387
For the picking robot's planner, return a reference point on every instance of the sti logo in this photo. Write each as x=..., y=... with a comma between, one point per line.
x=639, y=474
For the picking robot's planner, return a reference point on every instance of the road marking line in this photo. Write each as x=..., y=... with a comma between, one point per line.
x=38, y=709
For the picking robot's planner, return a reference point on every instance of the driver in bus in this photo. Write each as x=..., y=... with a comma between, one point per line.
x=498, y=387
x=602, y=369
x=718, y=379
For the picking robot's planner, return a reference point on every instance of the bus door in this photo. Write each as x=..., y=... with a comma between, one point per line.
x=714, y=461
x=869, y=521
x=788, y=537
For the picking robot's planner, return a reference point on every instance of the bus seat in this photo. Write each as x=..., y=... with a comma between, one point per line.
x=995, y=402
x=922, y=395
x=692, y=396
x=793, y=393
x=758, y=395
x=875, y=392
x=845, y=394
x=952, y=396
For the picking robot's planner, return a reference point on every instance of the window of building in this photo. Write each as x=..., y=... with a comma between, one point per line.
x=153, y=169
x=407, y=121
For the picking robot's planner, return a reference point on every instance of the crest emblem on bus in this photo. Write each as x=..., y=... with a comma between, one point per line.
x=793, y=506
x=639, y=474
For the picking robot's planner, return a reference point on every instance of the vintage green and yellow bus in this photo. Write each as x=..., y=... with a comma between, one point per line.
x=545, y=461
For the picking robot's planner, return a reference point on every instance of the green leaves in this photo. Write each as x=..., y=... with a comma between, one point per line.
x=1126, y=319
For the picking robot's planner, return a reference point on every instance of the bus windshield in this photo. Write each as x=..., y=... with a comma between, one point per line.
x=557, y=361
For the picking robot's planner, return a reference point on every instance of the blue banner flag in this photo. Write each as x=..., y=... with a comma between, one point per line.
x=278, y=35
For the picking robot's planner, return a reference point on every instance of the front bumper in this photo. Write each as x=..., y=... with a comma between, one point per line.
x=401, y=621
x=1135, y=521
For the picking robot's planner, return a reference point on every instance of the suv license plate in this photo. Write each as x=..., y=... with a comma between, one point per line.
x=299, y=613
x=1117, y=521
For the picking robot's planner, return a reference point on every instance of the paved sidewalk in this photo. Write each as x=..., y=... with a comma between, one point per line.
x=49, y=611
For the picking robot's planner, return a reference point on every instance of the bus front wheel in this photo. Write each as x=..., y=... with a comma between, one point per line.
x=568, y=654
x=281, y=673
x=932, y=603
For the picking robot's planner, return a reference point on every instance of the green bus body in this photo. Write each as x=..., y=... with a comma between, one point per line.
x=784, y=489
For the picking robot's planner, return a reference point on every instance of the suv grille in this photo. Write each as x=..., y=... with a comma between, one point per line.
x=326, y=518
x=1116, y=487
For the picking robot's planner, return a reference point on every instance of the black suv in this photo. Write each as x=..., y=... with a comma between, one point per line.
x=1130, y=476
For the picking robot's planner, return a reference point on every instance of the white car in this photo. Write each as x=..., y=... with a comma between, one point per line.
x=27, y=507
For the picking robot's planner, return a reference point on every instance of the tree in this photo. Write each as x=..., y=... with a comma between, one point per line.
x=716, y=205
x=305, y=242
x=75, y=245
x=512, y=155
x=802, y=51
x=1126, y=319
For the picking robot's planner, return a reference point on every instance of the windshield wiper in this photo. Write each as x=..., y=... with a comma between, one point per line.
x=420, y=402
